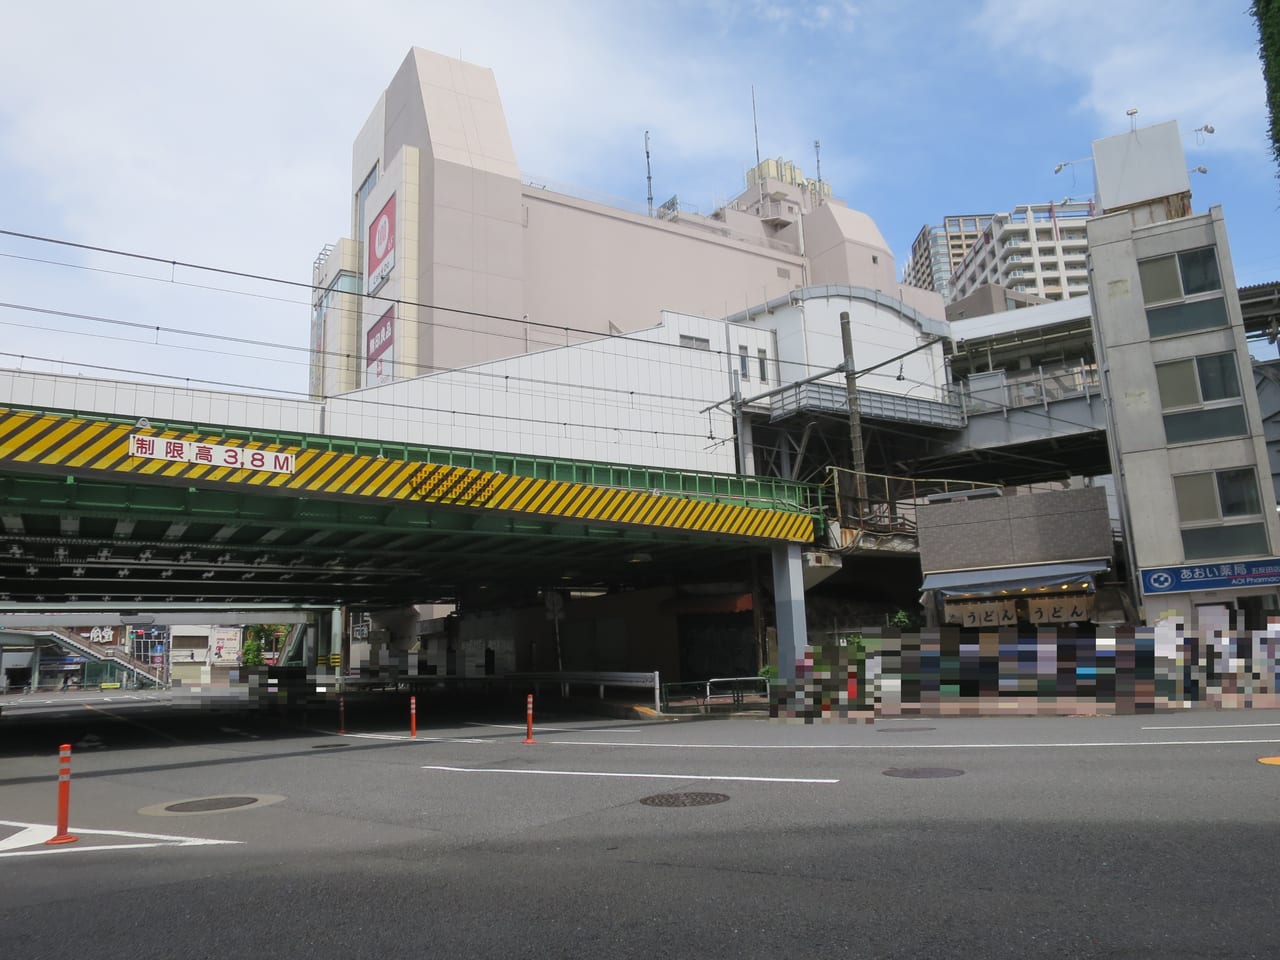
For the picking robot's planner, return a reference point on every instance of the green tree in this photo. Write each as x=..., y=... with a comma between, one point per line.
x=261, y=638
x=1267, y=15
x=251, y=655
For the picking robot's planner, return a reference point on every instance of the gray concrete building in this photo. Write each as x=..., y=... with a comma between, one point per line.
x=1186, y=436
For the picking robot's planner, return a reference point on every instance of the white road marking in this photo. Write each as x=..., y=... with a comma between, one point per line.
x=902, y=746
x=408, y=739
x=640, y=776
x=35, y=835
x=1214, y=726
x=536, y=729
x=29, y=836
x=521, y=726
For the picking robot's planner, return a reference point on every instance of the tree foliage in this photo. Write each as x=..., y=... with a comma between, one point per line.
x=259, y=639
x=251, y=655
x=1267, y=15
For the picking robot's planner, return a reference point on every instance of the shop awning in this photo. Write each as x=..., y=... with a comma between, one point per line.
x=1079, y=573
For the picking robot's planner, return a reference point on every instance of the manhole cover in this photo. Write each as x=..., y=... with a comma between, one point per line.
x=684, y=799
x=923, y=773
x=904, y=729
x=210, y=803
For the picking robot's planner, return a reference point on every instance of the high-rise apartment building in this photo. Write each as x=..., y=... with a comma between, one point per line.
x=937, y=252
x=1036, y=248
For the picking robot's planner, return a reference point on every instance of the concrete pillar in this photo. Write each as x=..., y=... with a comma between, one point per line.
x=335, y=636
x=788, y=595
x=311, y=643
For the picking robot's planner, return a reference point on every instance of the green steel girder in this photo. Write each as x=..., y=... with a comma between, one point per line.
x=91, y=538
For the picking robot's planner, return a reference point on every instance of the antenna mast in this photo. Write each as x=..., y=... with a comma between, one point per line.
x=648, y=171
x=817, y=158
x=756, y=127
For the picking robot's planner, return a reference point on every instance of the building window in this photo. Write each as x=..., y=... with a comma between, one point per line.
x=1182, y=292
x=1220, y=514
x=362, y=198
x=763, y=357
x=744, y=363
x=1200, y=398
x=694, y=343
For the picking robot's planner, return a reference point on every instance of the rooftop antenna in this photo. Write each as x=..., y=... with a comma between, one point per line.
x=648, y=171
x=755, y=124
x=817, y=159
x=1132, y=114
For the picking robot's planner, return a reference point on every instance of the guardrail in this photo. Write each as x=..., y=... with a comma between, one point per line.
x=705, y=691
x=569, y=678
x=888, y=504
x=1030, y=388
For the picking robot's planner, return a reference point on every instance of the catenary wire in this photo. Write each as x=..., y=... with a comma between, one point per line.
x=381, y=403
x=560, y=329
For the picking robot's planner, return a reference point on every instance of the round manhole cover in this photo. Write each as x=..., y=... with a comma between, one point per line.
x=209, y=804
x=684, y=799
x=904, y=729
x=923, y=773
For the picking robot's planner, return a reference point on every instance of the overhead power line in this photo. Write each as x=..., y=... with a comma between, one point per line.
x=173, y=264
x=412, y=408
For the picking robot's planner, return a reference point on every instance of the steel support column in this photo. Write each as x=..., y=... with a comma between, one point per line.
x=788, y=595
x=335, y=637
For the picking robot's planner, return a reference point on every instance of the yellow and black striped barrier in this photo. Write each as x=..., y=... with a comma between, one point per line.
x=80, y=446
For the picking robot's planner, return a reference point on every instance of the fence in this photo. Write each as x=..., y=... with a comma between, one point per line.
x=568, y=679
x=1038, y=386
x=700, y=695
x=887, y=504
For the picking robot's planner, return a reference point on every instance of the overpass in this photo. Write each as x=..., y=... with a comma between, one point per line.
x=103, y=512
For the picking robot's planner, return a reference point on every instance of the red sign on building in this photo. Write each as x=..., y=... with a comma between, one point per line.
x=381, y=246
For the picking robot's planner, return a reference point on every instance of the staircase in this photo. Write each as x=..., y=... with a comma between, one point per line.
x=291, y=648
x=94, y=652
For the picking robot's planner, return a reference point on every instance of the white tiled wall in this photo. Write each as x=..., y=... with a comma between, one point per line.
x=635, y=400
x=156, y=402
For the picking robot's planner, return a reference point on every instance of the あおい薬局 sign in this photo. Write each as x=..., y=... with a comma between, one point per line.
x=192, y=451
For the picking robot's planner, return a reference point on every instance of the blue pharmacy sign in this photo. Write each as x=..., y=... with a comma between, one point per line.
x=1211, y=576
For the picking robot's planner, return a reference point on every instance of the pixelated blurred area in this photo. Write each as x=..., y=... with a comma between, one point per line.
x=1030, y=672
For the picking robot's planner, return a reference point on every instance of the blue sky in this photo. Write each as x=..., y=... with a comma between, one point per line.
x=222, y=134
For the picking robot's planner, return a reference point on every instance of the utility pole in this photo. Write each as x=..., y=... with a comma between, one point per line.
x=855, y=417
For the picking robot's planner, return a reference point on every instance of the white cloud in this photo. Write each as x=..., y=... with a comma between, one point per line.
x=1171, y=60
x=222, y=134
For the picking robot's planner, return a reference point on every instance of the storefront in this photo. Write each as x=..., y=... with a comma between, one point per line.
x=1043, y=594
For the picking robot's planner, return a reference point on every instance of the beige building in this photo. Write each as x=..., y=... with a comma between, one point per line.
x=455, y=258
x=988, y=299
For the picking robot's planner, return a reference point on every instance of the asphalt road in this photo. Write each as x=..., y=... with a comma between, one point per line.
x=1098, y=837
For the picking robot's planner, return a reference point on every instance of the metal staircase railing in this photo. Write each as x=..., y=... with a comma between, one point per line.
x=93, y=652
